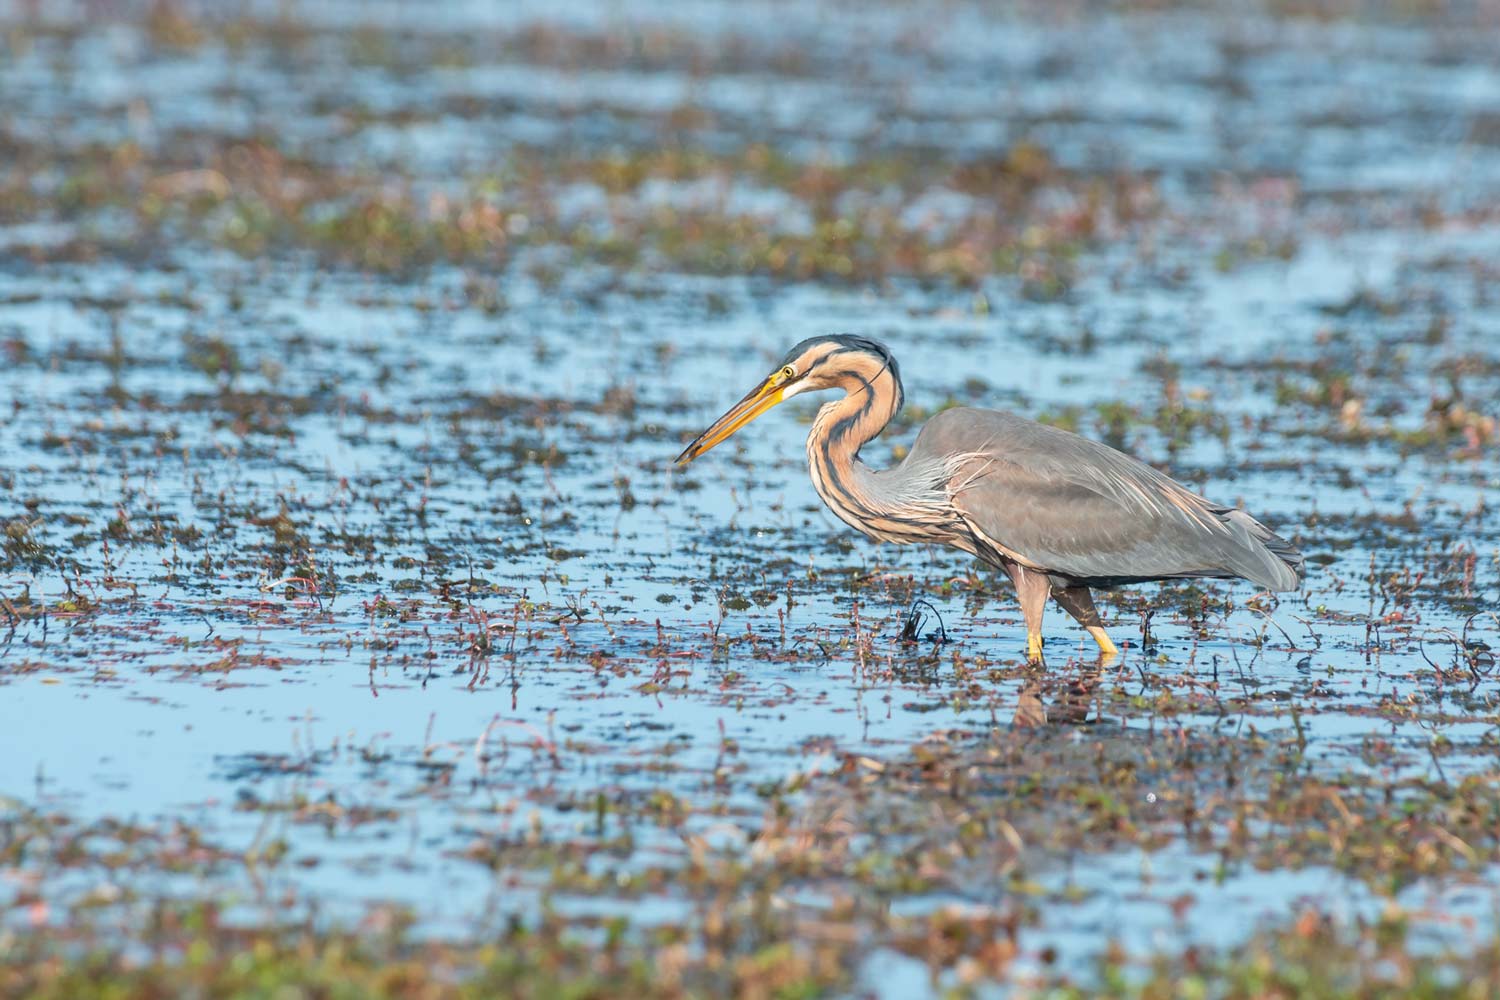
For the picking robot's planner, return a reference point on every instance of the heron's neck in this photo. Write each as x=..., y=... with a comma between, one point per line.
x=841, y=428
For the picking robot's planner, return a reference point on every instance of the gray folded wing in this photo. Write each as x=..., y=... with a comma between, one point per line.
x=1083, y=511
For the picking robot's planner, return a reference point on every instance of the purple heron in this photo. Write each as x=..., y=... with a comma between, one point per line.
x=1062, y=515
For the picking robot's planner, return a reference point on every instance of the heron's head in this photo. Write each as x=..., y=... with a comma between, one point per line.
x=854, y=364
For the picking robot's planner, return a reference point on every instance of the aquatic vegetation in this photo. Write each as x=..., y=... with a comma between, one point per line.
x=358, y=635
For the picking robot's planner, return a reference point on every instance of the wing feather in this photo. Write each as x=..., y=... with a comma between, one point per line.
x=1084, y=511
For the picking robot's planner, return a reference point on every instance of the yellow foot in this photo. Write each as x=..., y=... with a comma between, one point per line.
x=1034, y=647
x=1106, y=648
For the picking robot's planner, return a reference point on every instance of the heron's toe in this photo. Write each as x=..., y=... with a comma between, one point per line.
x=1034, y=647
x=1106, y=646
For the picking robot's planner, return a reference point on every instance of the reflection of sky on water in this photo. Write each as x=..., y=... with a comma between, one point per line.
x=169, y=743
x=401, y=384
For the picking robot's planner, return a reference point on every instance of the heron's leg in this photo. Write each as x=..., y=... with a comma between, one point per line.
x=1078, y=602
x=1032, y=589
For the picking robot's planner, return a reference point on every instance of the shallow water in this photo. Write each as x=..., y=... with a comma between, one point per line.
x=391, y=578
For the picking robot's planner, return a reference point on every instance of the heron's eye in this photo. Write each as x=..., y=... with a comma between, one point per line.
x=786, y=374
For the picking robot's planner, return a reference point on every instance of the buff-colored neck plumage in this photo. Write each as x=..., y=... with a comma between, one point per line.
x=893, y=504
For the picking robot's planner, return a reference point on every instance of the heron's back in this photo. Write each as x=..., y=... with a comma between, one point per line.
x=1091, y=515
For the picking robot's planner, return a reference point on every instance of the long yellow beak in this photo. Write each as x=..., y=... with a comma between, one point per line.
x=757, y=402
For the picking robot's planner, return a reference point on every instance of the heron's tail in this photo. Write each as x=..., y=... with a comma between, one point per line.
x=1260, y=555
